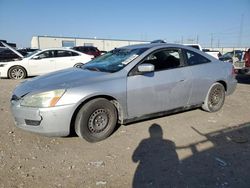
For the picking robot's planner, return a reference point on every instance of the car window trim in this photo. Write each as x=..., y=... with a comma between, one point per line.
x=44, y=52
x=134, y=72
x=186, y=58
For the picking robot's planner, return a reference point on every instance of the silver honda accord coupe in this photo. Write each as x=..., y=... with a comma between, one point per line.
x=126, y=84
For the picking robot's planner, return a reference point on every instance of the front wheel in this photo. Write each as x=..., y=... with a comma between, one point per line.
x=215, y=98
x=96, y=120
x=17, y=73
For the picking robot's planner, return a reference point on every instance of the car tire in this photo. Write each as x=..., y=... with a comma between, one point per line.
x=78, y=65
x=215, y=98
x=17, y=73
x=96, y=120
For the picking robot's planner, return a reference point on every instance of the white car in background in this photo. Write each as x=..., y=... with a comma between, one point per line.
x=42, y=62
x=213, y=53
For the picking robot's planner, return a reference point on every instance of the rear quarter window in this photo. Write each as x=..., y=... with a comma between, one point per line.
x=195, y=58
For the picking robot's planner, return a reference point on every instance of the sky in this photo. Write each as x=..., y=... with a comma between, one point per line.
x=216, y=23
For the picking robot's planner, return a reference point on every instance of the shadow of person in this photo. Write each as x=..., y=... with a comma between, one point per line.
x=158, y=161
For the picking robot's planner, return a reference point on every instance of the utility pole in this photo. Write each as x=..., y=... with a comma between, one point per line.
x=241, y=30
x=197, y=39
x=212, y=39
x=218, y=43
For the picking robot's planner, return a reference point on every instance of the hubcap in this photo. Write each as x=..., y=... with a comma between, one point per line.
x=98, y=121
x=215, y=96
x=17, y=73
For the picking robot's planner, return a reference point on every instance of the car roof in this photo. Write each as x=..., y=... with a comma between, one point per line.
x=84, y=47
x=155, y=45
x=63, y=48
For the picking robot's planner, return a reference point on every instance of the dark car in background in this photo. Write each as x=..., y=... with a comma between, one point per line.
x=8, y=55
x=233, y=54
x=90, y=50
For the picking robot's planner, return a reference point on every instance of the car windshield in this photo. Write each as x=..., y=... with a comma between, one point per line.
x=31, y=53
x=114, y=60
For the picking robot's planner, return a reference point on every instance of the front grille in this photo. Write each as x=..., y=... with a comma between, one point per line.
x=32, y=122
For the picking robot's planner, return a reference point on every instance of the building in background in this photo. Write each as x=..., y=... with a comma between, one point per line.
x=42, y=42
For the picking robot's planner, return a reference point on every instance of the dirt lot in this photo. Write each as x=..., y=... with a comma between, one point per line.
x=190, y=149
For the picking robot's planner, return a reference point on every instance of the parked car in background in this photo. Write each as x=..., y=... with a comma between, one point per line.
x=124, y=85
x=216, y=54
x=103, y=52
x=236, y=58
x=43, y=61
x=90, y=50
x=229, y=56
x=8, y=55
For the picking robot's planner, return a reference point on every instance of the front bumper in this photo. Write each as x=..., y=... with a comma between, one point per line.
x=3, y=72
x=53, y=121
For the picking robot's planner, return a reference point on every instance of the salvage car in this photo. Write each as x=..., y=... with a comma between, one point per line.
x=126, y=84
x=90, y=50
x=8, y=55
x=43, y=61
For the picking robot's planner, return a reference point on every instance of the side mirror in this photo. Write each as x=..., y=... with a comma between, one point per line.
x=147, y=67
x=36, y=57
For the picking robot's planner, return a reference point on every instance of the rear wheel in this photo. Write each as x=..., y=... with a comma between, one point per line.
x=96, y=120
x=215, y=98
x=17, y=73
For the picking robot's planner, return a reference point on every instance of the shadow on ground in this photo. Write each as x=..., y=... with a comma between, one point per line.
x=226, y=164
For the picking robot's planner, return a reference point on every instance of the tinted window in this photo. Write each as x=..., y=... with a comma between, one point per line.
x=74, y=54
x=92, y=49
x=195, y=59
x=62, y=53
x=46, y=54
x=164, y=59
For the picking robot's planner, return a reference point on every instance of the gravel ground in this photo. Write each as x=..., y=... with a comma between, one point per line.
x=189, y=149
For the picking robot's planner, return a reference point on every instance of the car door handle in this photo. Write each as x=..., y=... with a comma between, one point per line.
x=181, y=80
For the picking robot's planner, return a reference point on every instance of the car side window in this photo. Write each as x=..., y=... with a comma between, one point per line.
x=62, y=53
x=84, y=50
x=92, y=50
x=46, y=54
x=164, y=59
x=74, y=54
x=195, y=59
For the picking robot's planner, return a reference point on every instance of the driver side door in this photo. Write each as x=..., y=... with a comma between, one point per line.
x=168, y=87
x=42, y=63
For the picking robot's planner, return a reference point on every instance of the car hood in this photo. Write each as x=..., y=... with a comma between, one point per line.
x=12, y=49
x=64, y=79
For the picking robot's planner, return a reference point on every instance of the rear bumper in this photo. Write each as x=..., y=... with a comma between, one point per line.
x=231, y=86
x=53, y=121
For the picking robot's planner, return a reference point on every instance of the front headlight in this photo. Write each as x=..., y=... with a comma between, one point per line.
x=43, y=100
